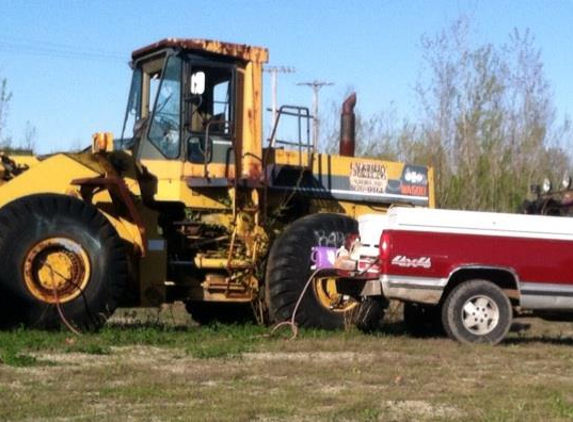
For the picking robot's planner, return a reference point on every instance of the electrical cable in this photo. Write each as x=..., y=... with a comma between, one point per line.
x=58, y=304
x=365, y=270
x=56, y=50
x=62, y=316
x=292, y=322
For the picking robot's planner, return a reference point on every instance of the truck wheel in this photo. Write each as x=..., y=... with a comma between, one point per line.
x=477, y=311
x=59, y=252
x=368, y=315
x=423, y=320
x=289, y=267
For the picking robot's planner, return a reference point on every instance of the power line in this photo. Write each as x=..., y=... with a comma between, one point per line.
x=56, y=50
x=316, y=86
x=274, y=71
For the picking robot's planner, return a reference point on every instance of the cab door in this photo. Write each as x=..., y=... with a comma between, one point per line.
x=209, y=126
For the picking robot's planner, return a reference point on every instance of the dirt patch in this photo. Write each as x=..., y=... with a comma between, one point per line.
x=312, y=356
x=408, y=410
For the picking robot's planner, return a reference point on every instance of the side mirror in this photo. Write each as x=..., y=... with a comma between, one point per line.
x=198, y=83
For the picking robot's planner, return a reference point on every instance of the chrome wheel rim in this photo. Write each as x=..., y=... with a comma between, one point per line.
x=480, y=315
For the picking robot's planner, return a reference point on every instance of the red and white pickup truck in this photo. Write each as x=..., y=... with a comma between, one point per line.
x=474, y=268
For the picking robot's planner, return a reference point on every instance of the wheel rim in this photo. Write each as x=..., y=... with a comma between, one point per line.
x=56, y=270
x=328, y=296
x=480, y=315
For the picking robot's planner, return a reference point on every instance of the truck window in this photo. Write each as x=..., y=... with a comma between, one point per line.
x=164, y=130
x=212, y=109
x=144, y=86
x=133, y=112
x=210, y=113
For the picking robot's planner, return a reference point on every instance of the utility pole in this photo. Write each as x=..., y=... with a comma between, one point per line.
x=315, y=85
x=274, y=71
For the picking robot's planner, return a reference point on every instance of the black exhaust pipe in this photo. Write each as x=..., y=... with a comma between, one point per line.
x=347, y=127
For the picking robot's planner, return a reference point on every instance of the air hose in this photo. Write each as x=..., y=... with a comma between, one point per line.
x=291, y=322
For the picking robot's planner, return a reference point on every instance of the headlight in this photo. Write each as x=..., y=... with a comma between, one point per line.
x=546, y=187
x=566, y=182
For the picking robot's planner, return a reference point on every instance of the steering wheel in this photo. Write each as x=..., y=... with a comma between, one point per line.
x=167, y=124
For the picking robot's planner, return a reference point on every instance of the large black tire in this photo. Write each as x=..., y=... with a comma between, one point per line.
x=423, y=320
x=477, y=311
x=289, y=268
x=40, y=232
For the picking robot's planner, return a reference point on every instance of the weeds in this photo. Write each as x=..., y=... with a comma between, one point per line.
x=562, y=408
x=140, y=368
x=13, y=358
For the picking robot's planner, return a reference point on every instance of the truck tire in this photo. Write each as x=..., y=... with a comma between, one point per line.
x=423, y=320
x=368, y=315
x=61, y=262
x=477, y=311
x=289, y=267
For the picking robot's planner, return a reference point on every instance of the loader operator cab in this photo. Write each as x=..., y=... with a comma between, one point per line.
x=181, y=106
x=194, y=114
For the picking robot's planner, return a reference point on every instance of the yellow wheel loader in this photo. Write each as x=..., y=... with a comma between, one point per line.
x=190, y=204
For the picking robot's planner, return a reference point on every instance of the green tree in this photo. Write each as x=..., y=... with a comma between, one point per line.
x=486, y=121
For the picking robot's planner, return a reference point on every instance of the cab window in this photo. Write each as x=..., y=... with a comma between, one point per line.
x=165, y=128
x=210, y=112
x=211, y=108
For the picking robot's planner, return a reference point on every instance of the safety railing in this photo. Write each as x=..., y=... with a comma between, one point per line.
x=302, y=129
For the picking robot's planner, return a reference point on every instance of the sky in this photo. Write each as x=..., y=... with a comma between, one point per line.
x=66, y=62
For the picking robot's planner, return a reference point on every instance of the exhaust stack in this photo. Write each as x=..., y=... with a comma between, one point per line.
x=347, y=127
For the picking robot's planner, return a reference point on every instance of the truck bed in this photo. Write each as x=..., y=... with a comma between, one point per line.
x=480, y=223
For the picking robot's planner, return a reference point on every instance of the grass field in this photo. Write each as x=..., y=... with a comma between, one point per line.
x=161, y=366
